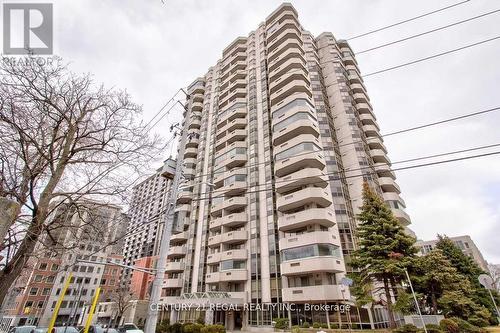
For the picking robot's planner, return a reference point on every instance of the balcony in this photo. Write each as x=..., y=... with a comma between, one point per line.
x=367, y=119
x=239, y=254
x=291, y=66
x=307, y=160
x=303, y=197
x=371, y=130
x=234, y=220
x=183, y=208
x=234, y=203
x=190, y=152
x=194, y=124
x=379, y=156
x=313, y=294
x=376, y=142
x=292, y=53
x=213, y=258
x=354, y=78
x=184, y=197
x=177, y=251
x=402, y=216
x=391, y=196
x=322, y=216
x=192, y=142
x=179, y=237
x=388, y=185
x=301, y=178
x=294, y=87
x=234, y=237
x=365, y=108
x=174, y=266
x=214, y=241
x=349, y=60
x=172, y=283
x=308, y=238
x=312, y=265
x=285, y=46
x=234, y=161
x=235, y=188
x=384, y=170
x=230, y=275
x=197, y=106
x=239, y=112
x=285, y=35
x=238, y=123
x=287, y=21
x=219, y=177
x=301, y=126
x=236, y=135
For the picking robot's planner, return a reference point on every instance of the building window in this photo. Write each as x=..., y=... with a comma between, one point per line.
x=33, y=291
x=42, y=266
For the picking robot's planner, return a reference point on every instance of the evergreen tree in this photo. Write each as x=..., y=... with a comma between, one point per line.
x=384, y=252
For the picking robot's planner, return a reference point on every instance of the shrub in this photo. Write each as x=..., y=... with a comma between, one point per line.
x=406, y=328
x=281, y=323
x=334, y=326
x=295, y=329
x=323, y=325
x=201, y=319
x=316, y=325
x=192, y=328
x=431, y=328
x=163, y=326
x=213, y=329
x=306, y=325
x=465, y=327
x=449, y=326
x=477, y=321
x=175, y=328
x=355, y=326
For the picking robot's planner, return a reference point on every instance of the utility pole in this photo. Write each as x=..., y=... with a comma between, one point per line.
x=152, y=317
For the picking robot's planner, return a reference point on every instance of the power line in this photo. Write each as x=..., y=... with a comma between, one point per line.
x=377, y=165
x=431, y=57
x=361, y=141
x=368, y=173
x=407, y=20
x=428, y=32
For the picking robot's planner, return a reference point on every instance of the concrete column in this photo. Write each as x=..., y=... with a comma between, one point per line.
x=174, y=314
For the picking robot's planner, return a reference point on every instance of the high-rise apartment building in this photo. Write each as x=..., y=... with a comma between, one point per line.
x=85, y=241
x=464, y=243
x=279, y=137
x=147, y=215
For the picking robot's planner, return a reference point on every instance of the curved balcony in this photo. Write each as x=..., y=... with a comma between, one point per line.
x=236, y=135
x=314, y=294
x=349, y=60
x=384, y=170
x=294, y=87
x=238, y=123
x=192, y=142
x=322, y=216
x=402, y=216
x=194, y=124
x=235, y=188
x=213, y=258
x=290, y=66
x=367, y=119
x=299, y=127
x=303, y=138
x=391, y=196
x=310, y=160
x=302, y=197
x=183, y=208
x=239, y=112
x=285, y=46
x=234, y=203
x=177, y=251
x=190, y=152
x=214, y=241
x=379, y=156
x=301, y=178
x=292, y=53
x=184, y=197
x=234, y=237
x=197, y=106
x=358, y=88
x=234, y=161
x=312, y=265
x=354, y=78
x=284, y=79
x=289, y=21
x=174, y=266
x=308, y=238
x=287, y=34
x=360, y=98
x=231, y=220
x=376, y=142
x=364, y=108
x=388, y=185
x=239, y=254
x=370, y=131
x=219, y=177
x=179, y=237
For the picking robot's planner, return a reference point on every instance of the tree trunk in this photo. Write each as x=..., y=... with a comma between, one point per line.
x=390, y=312
x=9, y=210
x=434, y=301
x=14, y=268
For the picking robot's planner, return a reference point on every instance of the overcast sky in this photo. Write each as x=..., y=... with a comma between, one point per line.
x=153, y=49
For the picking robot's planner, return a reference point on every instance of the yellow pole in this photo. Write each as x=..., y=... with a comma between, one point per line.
x=58, y=304
x=92, y=309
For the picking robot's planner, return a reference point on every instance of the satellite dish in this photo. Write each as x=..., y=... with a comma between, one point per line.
x=486, y=281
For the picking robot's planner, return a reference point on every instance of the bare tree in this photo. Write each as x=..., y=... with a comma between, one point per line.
x=63, y=138
x=121, y=298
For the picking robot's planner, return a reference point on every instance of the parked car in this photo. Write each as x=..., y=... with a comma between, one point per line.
x=129, y=328
x=22, y=329
x=63, y=329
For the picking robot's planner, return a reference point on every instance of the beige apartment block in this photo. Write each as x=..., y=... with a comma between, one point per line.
x=281, y=135
x=464, y=243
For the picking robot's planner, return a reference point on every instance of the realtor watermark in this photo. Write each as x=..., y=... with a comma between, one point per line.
x=342, y=308
x=28, y=28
